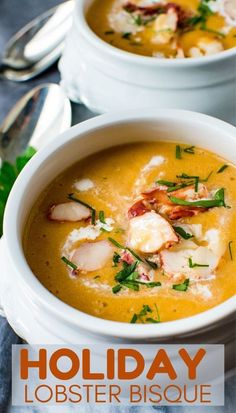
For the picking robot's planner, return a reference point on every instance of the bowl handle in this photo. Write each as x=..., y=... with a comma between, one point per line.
x=1, y=278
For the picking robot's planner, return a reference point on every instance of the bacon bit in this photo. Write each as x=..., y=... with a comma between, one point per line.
x=160, y=202
x=145, y=10
x=139, y=208
x=160, y=8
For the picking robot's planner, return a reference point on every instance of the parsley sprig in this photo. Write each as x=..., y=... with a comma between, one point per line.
x=143, y=315
x=8, y=175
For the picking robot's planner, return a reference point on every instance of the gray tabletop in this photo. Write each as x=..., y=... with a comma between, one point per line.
x=13, y=15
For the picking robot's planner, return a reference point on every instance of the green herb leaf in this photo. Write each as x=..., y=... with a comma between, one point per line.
x=194, y=264
x=8, y=175
x=222, y=168
x=126, y=272
x=180, y=186
x=93, y=211
x=69, y=263
x=186, y=176
x=178, y=152
x=218, y=201
x=101, y=216
x=230, y=250
x=166, y=183
x=116, y=259
x=131, y=285
x=145, y=311
x=126, y=35
x=181, y=287
x=134, y=319
x=114, y=242
x=216, y=32
x=107, y=32
x=152, y=264
x=152, y=320
x=23, y=159
x=153, y=284
x=116, y=288
x=190, y=150
x=183, y=233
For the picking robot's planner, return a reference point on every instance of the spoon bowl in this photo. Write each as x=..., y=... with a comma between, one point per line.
x=28, y=73
x=36, y=118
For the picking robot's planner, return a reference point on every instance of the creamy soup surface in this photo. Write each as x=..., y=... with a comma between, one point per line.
x=140, y=233
x=166, y=29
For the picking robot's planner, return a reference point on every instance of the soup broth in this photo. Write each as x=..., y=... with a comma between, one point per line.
x=164, y=29
x=138, y=233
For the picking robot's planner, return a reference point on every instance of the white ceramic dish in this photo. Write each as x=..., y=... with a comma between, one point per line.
x=105, y=78
x=33, y=311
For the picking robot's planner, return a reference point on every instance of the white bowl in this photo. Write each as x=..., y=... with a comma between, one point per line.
x=36, y=314
x=106, y=78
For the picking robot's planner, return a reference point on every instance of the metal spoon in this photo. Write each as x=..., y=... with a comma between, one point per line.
x=32, y=71
x=38, y=45
x=36, y=118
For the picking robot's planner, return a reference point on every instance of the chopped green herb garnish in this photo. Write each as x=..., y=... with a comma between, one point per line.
x=93, y=211
x=126, y=35
x=107, y=32
x=180, y=186
x=183, y=233
x=153, y=284
x=137, y=20
x=152, y=264
x=218, y=201
x=194, y=264
x=126, y=272
x=181, y=287
x=114, y=242
x=207, y=178
x=196, y=184
x=69, y=263
x=222, y=168
x=230, y=250
x=101, y=216
x=131, y=285
x=119, y=230
x=178, y=152
x=146, y=310
x=116, y=259
x=152, y=320
x=116, y=289
x=186, y=176
x=190, y=150
x=216, y=32
x=97, y=277
x=166, y=183
x=134, y=319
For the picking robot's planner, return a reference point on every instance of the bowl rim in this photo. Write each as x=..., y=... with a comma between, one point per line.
x=128, y=57
x=40, y=295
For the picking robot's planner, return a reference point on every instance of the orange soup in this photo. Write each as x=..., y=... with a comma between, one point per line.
x=166, y=29
x=140, y=233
